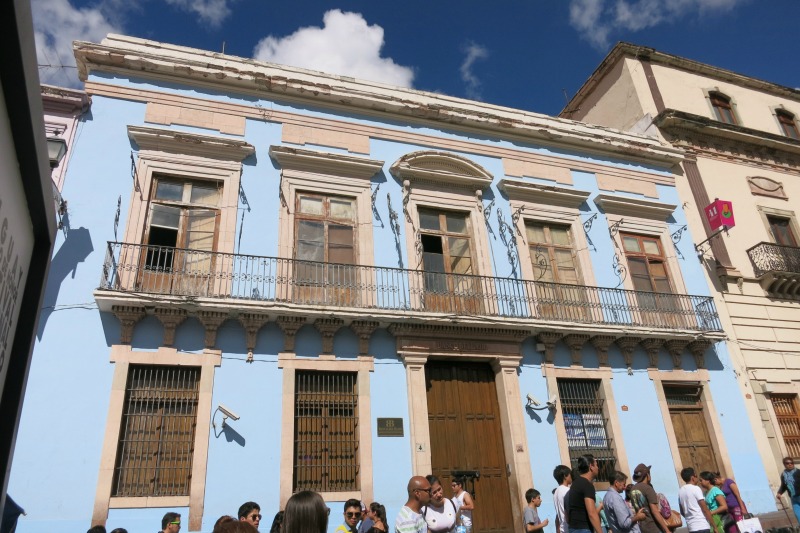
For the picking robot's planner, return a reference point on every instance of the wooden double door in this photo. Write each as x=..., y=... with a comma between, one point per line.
x=464, y=421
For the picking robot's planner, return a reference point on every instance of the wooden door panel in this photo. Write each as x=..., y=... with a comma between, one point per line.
x=694, y=444
x=465, y=431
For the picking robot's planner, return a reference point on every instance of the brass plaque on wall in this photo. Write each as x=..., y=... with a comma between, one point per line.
x=390, y=427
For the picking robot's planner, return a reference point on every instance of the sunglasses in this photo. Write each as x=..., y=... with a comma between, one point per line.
x=428, y=490
x=352, y=515
x=255, y=517
x=175, y=523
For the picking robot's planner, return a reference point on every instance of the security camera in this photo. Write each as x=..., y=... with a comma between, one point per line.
x=227, y=413
x=533, y=401
x=552, y=402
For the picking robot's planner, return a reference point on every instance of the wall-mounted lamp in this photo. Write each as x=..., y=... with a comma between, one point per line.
x=226, y=414
x=56, y=150
x=536, y=405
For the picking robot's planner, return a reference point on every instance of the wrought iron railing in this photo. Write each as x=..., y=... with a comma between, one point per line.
x=181, y=272
x=770, y=257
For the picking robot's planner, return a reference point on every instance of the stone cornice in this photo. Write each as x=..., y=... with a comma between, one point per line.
x=148, y=59
x=325, y=162
x=634, y=207
x=63, y=100
x=164, y=140
x=441, y=167
x=623, y=50
x=522, y=190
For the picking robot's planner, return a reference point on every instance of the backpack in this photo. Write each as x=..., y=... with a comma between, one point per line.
x=663, y=506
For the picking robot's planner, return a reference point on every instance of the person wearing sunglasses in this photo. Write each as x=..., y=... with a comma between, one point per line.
x=171, y=523
x=352, y=516
x=410, y=519
x=250, y=512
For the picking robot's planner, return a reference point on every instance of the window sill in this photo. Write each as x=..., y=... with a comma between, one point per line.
x=133, y=502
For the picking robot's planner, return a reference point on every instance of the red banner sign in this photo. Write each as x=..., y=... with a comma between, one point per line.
x=720, y=213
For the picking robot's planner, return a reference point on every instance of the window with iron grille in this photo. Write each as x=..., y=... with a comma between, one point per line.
x=326, y=432
x=787, y=413
x=586, y=424
x=156, y=442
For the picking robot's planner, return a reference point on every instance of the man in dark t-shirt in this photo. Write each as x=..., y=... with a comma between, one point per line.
x=654, y=522
x=580, y=507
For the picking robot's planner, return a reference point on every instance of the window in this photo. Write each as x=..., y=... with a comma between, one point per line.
x=586, y=423
x=787, y=413
x=723, y=110
x=556, y=268
x=788, y=124
x=180, y=235
x=647, y=263
x=781, y=229
x=447, y=261
x=326, y=432
x=157, y=435
x=326, y=247
x=685, y=405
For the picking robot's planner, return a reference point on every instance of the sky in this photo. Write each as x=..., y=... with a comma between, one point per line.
x=525, y=54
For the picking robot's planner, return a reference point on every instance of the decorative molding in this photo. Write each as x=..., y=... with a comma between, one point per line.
x=763, y=186
x=549, y=339
x=527, y=191
x=325, y=162
x=443, y=168
x=457, y=332
x=364, y=330
x=627, y=345
x=180, y=142
x=290, y=326
x=624, y=206
x=211, y=322
x=602, y=343
x=698, y=349
x=328, y=328
x=575, y=342
x=676, y=348
x=128, y=317
x=170, y=318
x=652, y=347
x=252, y=323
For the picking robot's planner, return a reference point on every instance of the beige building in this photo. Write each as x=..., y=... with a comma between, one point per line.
x=742, y=143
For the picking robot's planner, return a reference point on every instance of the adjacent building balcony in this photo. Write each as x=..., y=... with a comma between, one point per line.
x=777, y=267
x=257, y=283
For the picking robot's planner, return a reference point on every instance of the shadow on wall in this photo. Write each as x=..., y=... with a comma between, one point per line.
x=76, y=248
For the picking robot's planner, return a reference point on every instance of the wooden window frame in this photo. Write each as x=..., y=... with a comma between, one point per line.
x=771, y=212
x=123, y=356
x=325, y=218
x=723, y=108
x=788, y=124
x=648, y=257
x=796, y=401
x=362, y=365
x=551, y=248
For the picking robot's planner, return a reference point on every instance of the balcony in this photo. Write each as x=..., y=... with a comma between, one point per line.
x=777, y=267
x=389, y=294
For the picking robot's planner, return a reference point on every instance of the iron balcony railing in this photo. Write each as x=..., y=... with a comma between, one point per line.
x=181, y=272
x=770, y=257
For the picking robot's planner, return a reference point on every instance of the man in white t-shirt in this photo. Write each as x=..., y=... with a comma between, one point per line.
x=563, y=476
x=693, y=504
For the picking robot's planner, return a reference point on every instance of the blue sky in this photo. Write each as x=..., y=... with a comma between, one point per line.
x=525, y=54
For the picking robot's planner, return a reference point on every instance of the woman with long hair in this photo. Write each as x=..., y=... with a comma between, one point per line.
x=715, y=499
x=377, y=513
x=305, y=512
x=736, y=507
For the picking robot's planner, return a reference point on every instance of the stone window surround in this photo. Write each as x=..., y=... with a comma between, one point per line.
x=643, y=217
x=545, y=203
x=188, y=156
x=765, y=211
x=734, y=107
x=123, y=356
x=775, y=109
x=702, y=378
x=604, y=375
x=363, y=365
x=325, y=173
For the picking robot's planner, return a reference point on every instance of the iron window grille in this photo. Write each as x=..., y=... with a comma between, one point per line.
x=156, y=443
x=586, y=424
x=326, y=445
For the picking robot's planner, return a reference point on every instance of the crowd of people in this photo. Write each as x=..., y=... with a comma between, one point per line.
x=708, y=502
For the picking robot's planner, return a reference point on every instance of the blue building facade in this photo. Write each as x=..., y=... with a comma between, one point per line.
x=273, y=280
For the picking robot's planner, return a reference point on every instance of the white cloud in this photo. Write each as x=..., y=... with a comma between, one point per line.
x=345, y=45
x=56, y=24
x=473, y=53
x=212, y=12
x=596, y=20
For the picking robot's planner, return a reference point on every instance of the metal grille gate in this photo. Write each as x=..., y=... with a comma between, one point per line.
x=586, y=424
x=326, y=431
x=156, y=443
